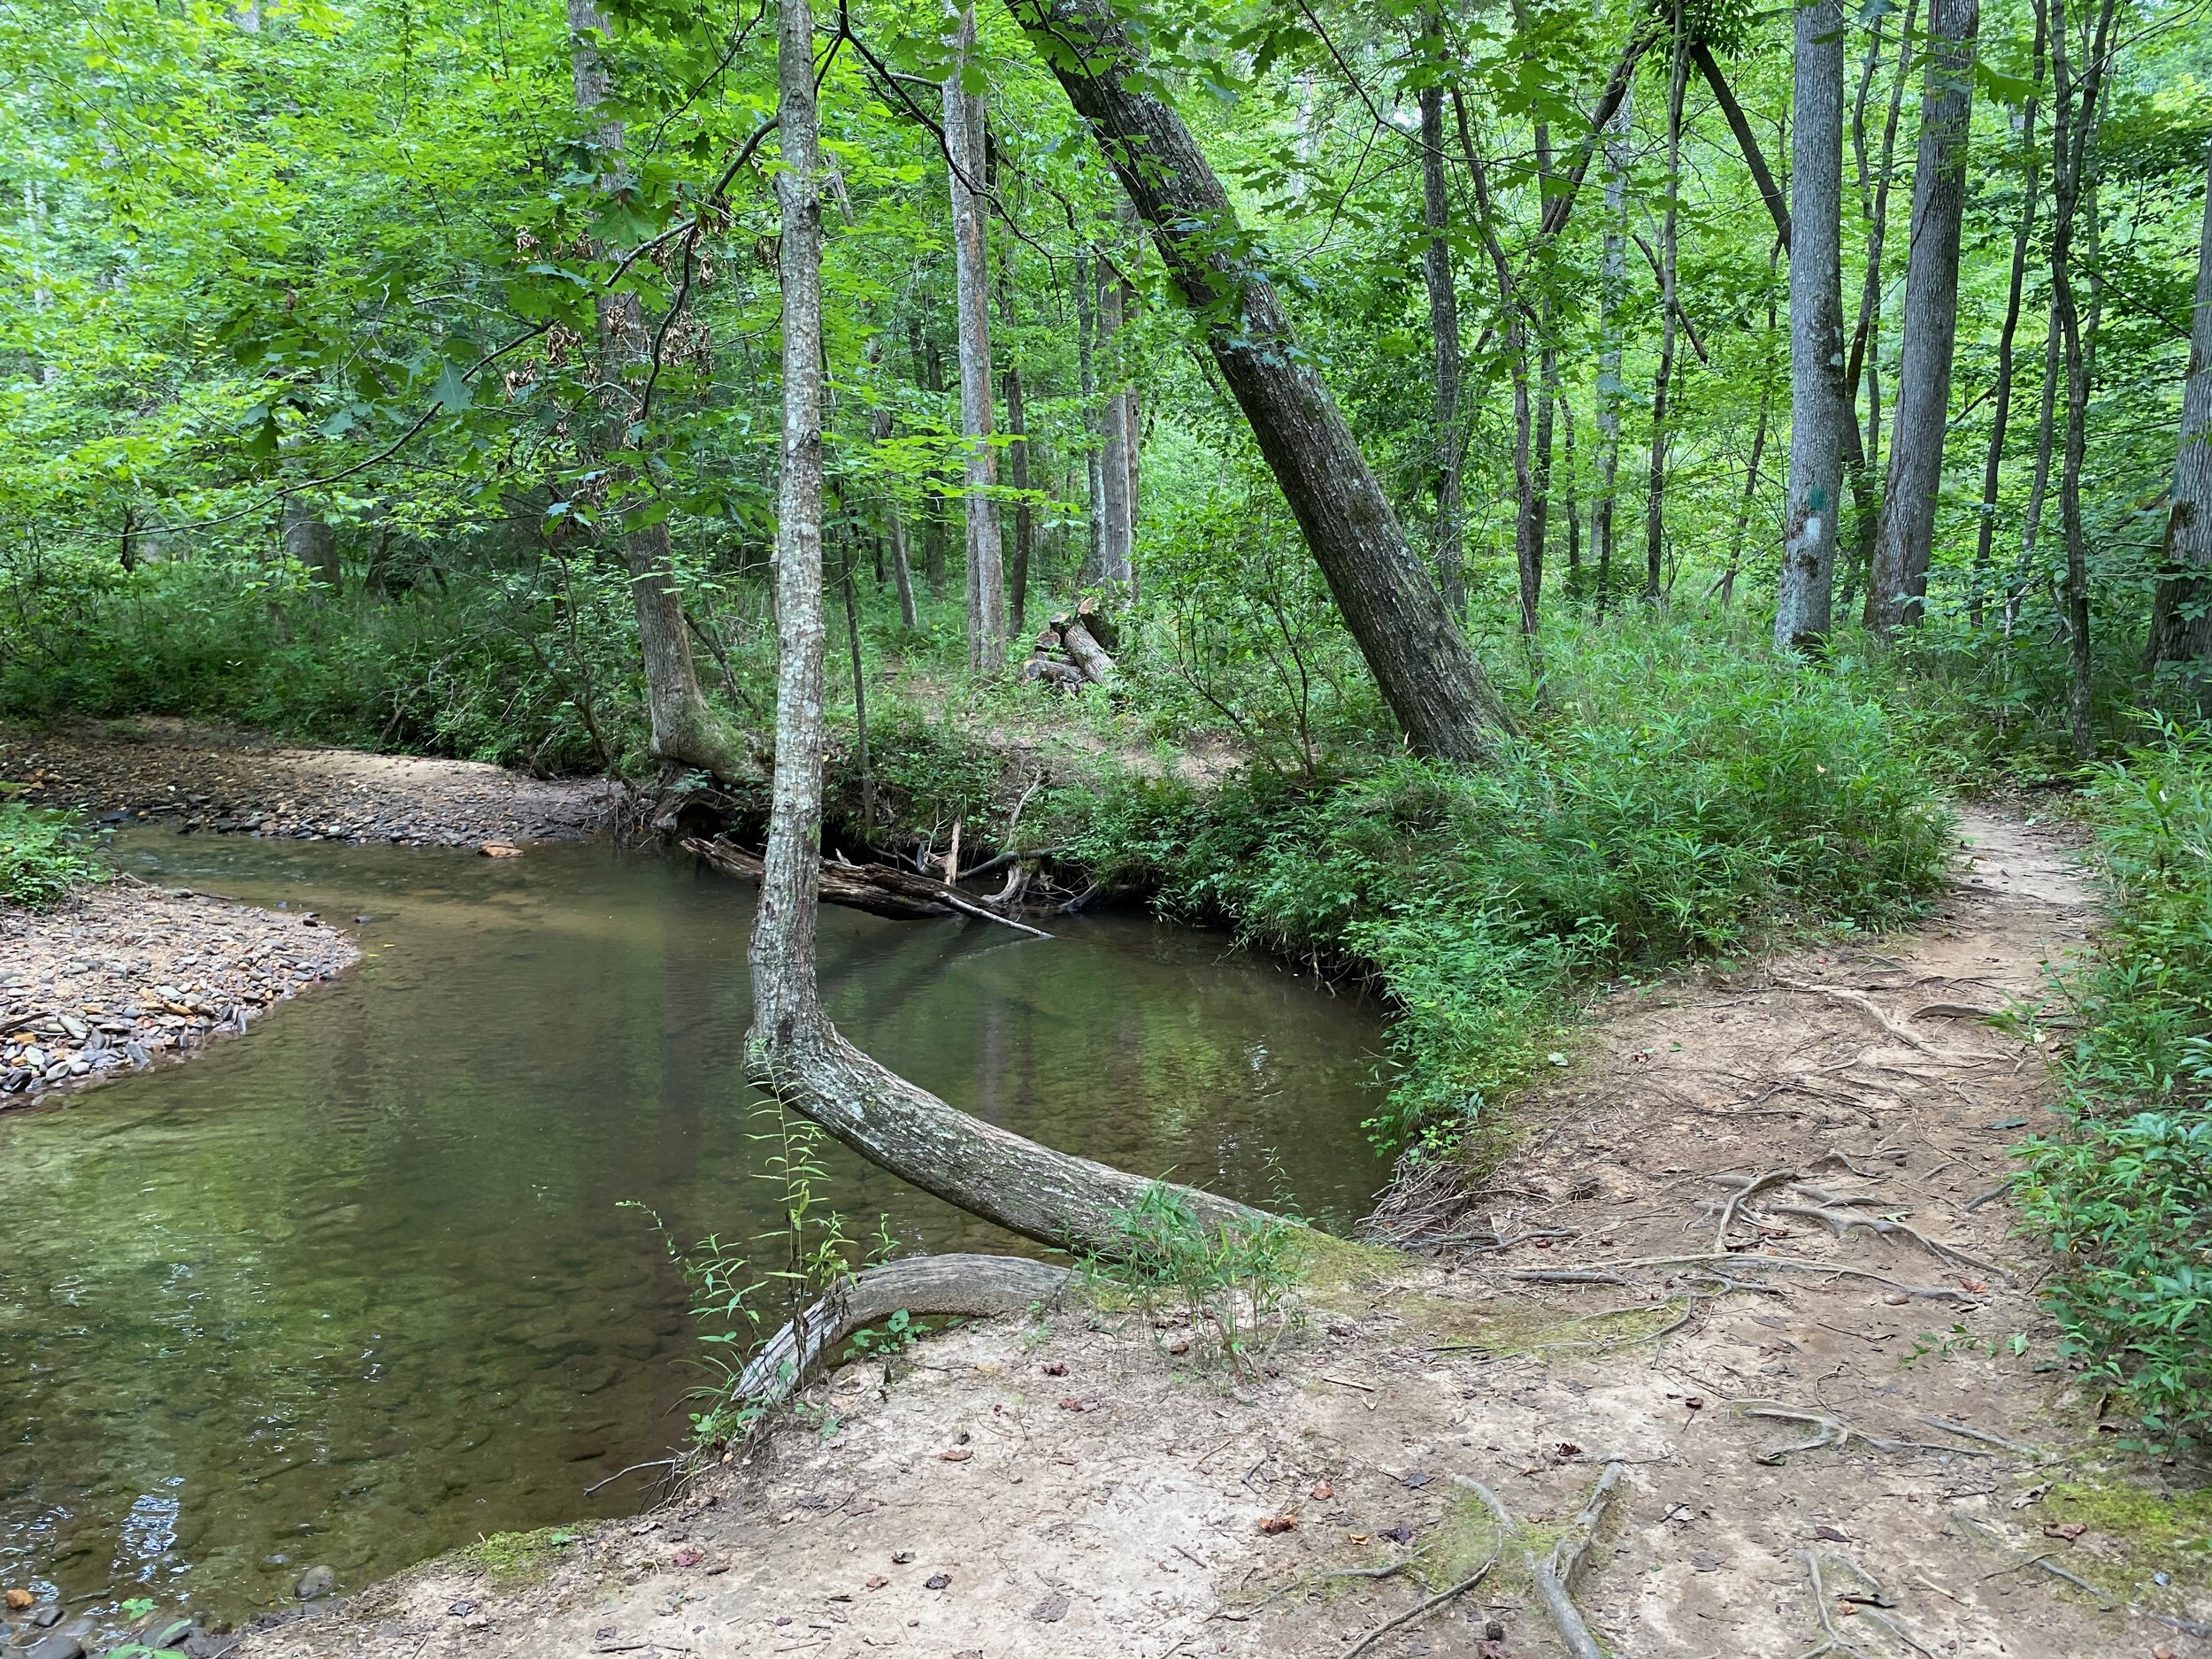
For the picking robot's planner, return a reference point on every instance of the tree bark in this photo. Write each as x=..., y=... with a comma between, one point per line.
x=1113, y=449
x=685, y=730
x=929, y=364
x=1898, y=591
x=309, y=541
x=1421, y=665
x=1654, y=492
x=2075, y=126
x=965, y=154
x=1573, y=581
x=1804, y=608
x=894, y=523
x=1612, y=389
x=1093, y=422
x=1018, y=466
x=2001, y=417
x=1447, y=547
x=2181, y=612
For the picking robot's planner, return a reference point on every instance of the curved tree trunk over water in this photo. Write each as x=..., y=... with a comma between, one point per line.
x=793, y=1051
x=686, y=729
x=1421, y=664
x=2181, y=615
x=1898, y=588
x=1818, y=411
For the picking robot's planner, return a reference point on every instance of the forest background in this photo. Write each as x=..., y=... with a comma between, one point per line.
x=410, y=376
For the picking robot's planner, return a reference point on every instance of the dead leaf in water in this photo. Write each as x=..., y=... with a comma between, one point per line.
x=499, y=850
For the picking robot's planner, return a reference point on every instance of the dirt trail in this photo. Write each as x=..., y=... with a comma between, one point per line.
x=978, y=1499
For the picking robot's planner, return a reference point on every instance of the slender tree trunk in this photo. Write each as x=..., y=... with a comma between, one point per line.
x=2039, y=481
x=1655, y=494
x=1747, y=140
x=685, y=730
x=1018, y=466
x=1905, y=542
x=1436, y=270
x=931, y=361
x=1421, y=662
x=2181, y=611
x=965, y=148
x=793, y=1051
x=1113, y=449
x=2001, y=418
x=1612, y=390
x=309, y=541
x=893, y=524
x=1547, y=409
x=1573, y=583
x=2074, y=125
x=1094, y=423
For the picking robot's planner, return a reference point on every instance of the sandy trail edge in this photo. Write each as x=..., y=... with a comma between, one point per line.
x=1130, y=1526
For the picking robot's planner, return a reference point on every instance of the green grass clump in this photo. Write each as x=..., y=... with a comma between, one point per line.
x=43, y=855
x=1675, y=795
x=2123, y=1190
x=511, y=1556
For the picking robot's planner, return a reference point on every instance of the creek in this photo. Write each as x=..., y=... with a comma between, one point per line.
x=366, y=1284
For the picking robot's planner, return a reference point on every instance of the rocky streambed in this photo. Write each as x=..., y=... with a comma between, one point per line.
x=122, y=976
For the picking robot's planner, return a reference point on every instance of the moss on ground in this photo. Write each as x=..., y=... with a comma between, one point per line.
x=2162, y=1532
x=507, y=1556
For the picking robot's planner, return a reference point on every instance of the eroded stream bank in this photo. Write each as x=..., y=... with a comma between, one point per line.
x=1070, y=1485
x=360, y=1286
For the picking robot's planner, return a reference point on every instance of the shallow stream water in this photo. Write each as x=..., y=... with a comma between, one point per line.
x=363, y=1285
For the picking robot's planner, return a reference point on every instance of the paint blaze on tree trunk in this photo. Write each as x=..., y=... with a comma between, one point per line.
x=1421, y=662
x=2181, y=614
x=964, y=149
x=685, y=730
x=1818, y=411
x=1905, y=541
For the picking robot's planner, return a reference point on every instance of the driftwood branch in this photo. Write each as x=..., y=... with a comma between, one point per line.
x=879, y=890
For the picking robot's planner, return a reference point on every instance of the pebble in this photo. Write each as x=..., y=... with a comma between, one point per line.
x=63, y=1646
x=317, y=1581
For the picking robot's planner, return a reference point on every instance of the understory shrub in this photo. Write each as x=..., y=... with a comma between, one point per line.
x=43, y=855
x=2123, y=1189
x=1675, y=795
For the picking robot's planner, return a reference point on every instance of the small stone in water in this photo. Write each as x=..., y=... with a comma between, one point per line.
x=317, y=1581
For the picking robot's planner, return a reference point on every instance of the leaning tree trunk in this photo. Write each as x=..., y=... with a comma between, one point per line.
x=1436, y=270
x=685, y=730
x=1421, y=665
x=1804, y=598
x=793, y=1051
x=2181, y=614
x=965, y=154
x=2001, y=417
x=1898, y=589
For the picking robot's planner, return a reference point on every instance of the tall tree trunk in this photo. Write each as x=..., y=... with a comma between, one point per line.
x=1573, y=582
x=1747, y=140
x=893, y=524
x=2075, y=126
x=2001, y=418
x=1421, y=662
x=1094, y=423
x=2040, y=480
x=1017, y=465
x=930, y=362
x=1862, y=447
x=1656, y=488
x=1113, y=449
x=793, y=1051
x=1447, y=550
x=1898, y=589
x=965, y=149
x=1611, y=389
x=2181, y=612
x=685, y=730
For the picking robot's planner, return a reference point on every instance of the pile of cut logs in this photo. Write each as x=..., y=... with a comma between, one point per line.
x=1071, y=653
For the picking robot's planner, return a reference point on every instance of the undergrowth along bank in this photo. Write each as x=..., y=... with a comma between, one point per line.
x=1672, y=796
x=43, y=856
x=2123, y=1188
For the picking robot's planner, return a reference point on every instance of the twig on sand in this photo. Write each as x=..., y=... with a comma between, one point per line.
x=1834, y=1639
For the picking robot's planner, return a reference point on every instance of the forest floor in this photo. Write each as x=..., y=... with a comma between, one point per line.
x=1927, y=1478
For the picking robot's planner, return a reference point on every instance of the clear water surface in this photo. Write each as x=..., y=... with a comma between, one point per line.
x=359, y=1287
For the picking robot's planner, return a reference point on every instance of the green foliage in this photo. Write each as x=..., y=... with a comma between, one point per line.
x=1678, y=796
x=1228, y=1286
x=2124, y=1191
x=43, y=855
x=509, y=1556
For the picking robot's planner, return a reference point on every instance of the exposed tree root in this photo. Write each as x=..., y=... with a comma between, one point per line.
x=1828, y=1430
x=1433, y=1602
x=1874, y=1011
x=964, y=1285
x=1841, y=1221
x=1553, y=1575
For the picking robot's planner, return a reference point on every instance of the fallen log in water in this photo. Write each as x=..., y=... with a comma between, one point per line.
x=879, y=889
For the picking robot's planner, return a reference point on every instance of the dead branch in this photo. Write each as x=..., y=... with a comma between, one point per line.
x=879, y=890
x=1954, y=1011
x=1434, y=1602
